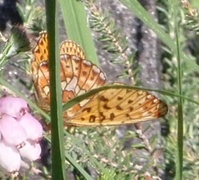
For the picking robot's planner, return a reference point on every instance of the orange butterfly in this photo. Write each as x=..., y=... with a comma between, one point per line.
x=114, y=106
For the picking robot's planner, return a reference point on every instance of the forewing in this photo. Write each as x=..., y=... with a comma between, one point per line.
x=40, y=70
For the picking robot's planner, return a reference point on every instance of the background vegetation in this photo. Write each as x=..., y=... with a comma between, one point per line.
x=151, y=45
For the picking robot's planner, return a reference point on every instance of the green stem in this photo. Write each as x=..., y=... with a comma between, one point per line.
x=58, y=156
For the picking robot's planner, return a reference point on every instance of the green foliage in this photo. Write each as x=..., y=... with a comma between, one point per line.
x=106, y=153
x=112, y=39
x=189, y=89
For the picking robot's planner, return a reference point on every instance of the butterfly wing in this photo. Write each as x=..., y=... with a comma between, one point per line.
x=78, y=75
x=72, y=49
x=40, y=70
x=108, y=107
x=118, y=106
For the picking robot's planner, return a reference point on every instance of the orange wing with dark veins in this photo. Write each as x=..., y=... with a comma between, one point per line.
x=114, y=106
x=118, y=106
x=77, y=74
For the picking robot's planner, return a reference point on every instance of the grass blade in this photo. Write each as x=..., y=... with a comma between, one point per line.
x=58, y=157
x=179, y=164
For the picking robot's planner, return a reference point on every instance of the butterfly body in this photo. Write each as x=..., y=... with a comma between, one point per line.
x=115, y=105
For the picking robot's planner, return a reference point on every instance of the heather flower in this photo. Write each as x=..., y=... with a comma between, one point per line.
x=13, y=106
x=10, y=159
x=12, y=132
x=31, y=151
x=32, y=127
x=20, y=134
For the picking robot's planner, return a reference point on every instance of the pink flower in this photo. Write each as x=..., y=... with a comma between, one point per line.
x=31, y=151
x=32, y=127
x=10, y=159
x=13, y=106
x=13, y=133
x=20, y=133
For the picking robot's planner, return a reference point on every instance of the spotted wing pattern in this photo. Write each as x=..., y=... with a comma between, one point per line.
x=77, y=74
x=40, y=71
x=113, y=106
x=119, y=105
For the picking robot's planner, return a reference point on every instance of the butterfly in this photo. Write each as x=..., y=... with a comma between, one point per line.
x=116, y=105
